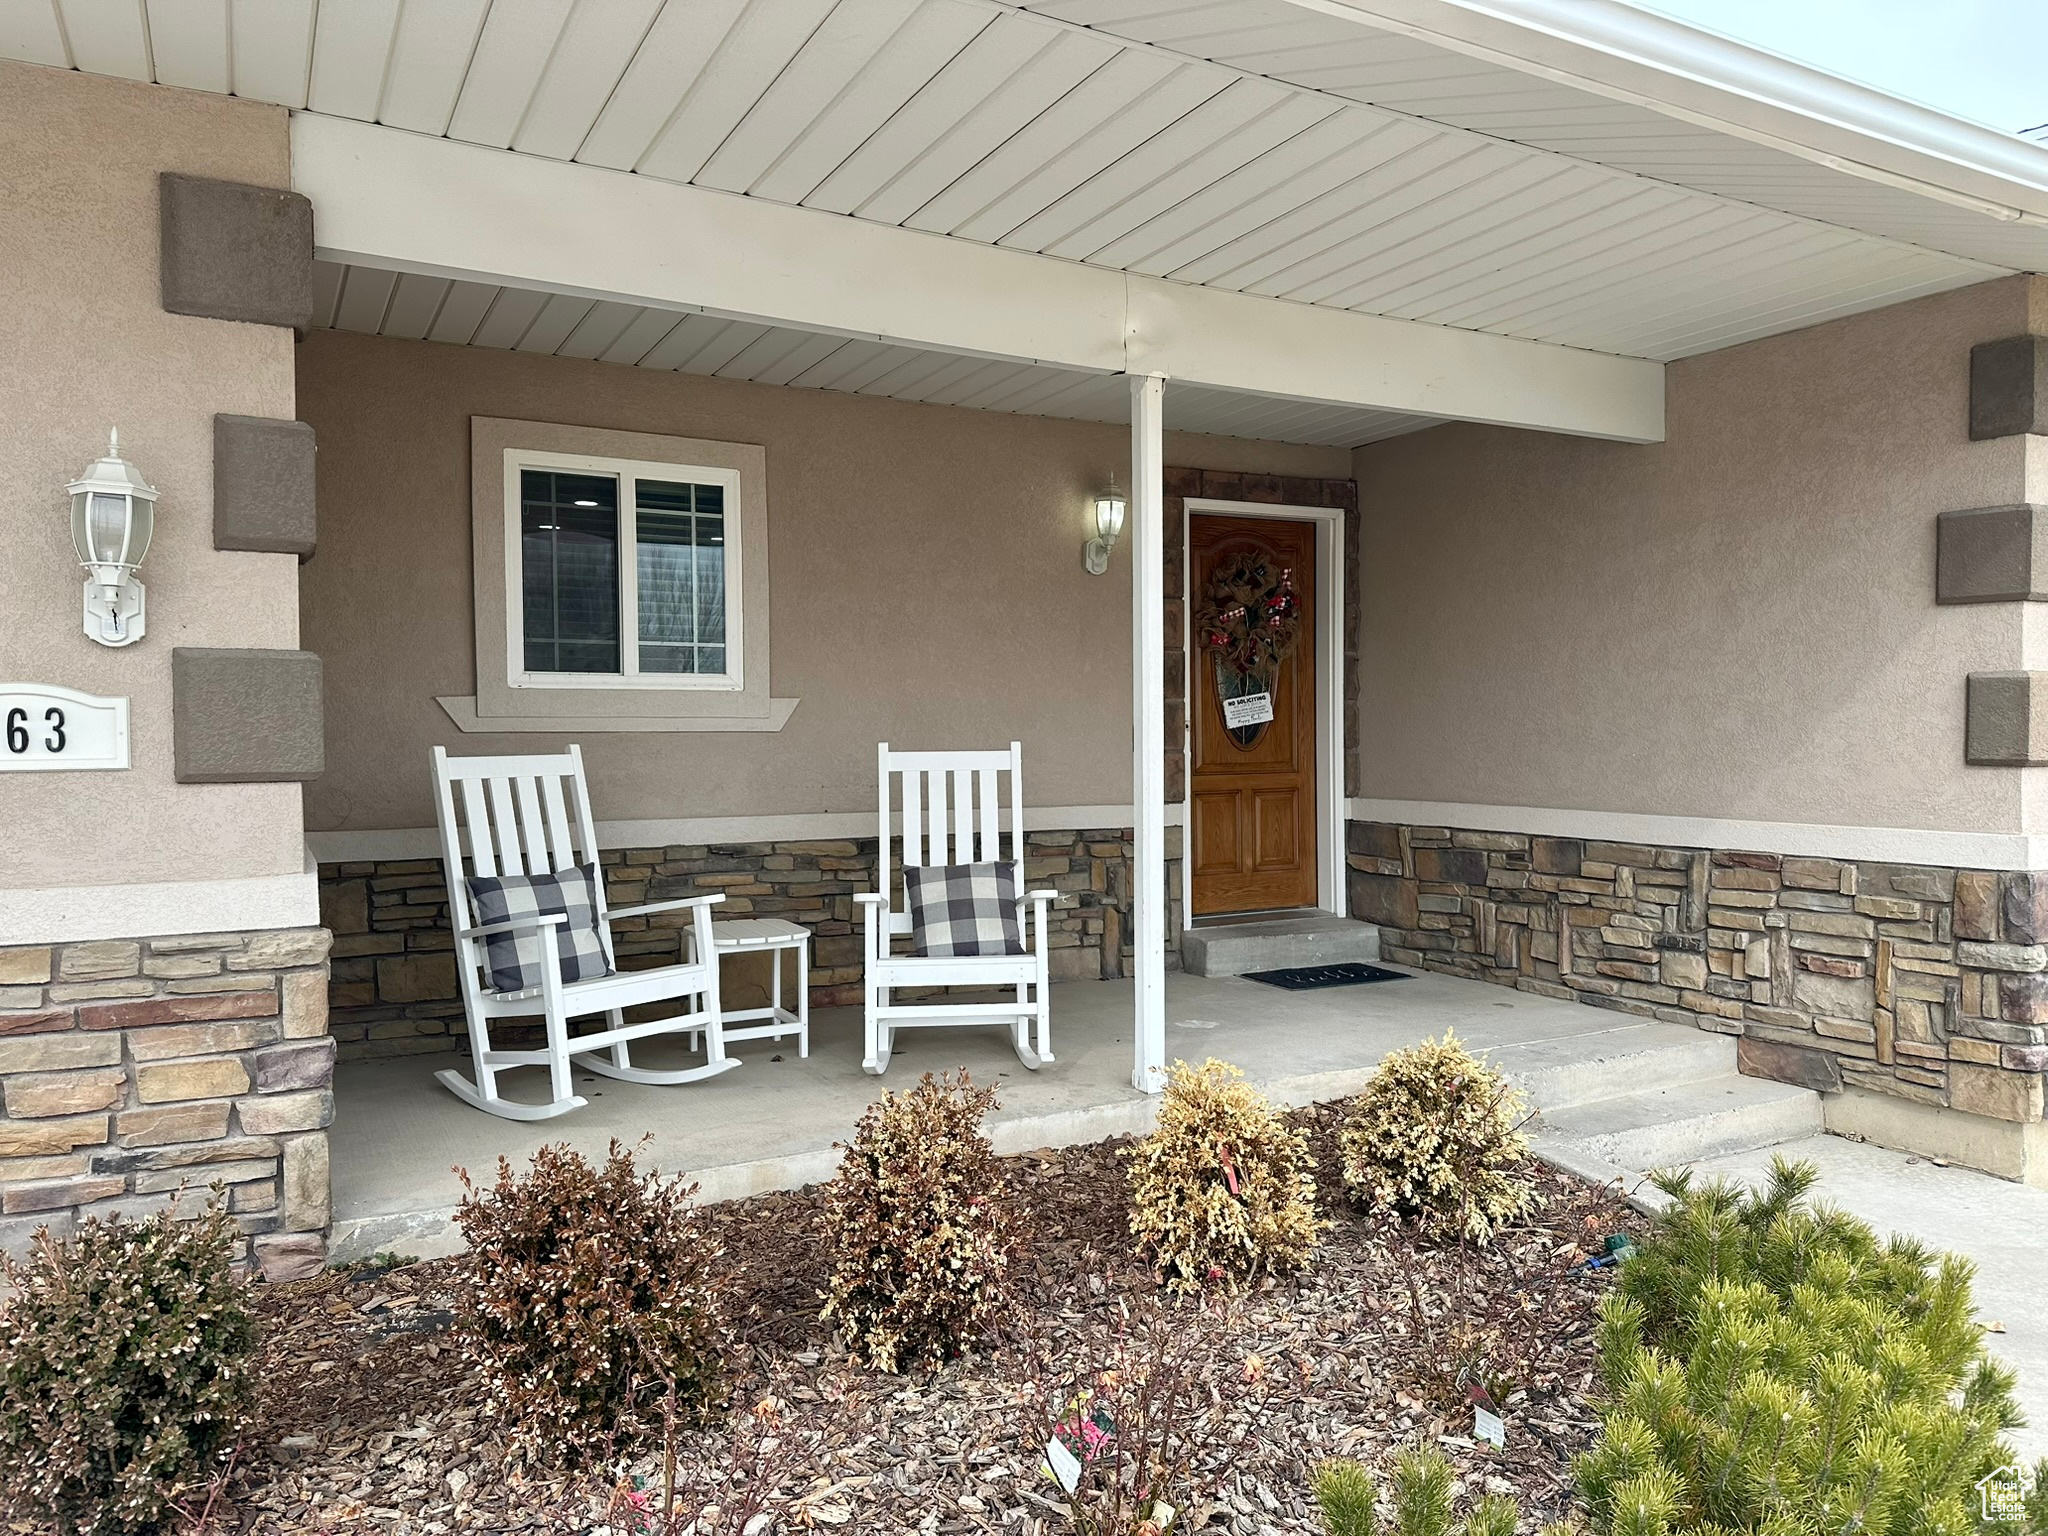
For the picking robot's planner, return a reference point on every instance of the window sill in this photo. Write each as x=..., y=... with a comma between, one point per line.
x=463, y=712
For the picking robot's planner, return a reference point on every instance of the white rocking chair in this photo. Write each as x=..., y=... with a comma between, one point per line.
x=957, y=808
x=531, y=815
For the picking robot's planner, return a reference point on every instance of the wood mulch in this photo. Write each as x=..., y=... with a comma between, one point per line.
x=369, y=1420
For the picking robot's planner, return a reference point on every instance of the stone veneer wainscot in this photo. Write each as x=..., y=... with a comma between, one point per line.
x=133, y=1068
x=1921, y=983
x=394, y=989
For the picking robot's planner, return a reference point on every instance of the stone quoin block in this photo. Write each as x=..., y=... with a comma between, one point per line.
x=230, y=251
x=2009, y=387
x=245, y=716
x=1992, y=555
x=263, y=485
x=2006, y=719
x=1796, y=1064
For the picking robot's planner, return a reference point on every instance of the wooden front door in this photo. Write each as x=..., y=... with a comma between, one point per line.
x=1252, y=786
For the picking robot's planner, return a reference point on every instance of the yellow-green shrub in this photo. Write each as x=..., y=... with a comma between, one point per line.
x=1222, y=1190
x=1434, y=1139
x=921, y=1233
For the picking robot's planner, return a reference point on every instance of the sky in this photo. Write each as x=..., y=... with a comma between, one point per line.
x=1981, y=59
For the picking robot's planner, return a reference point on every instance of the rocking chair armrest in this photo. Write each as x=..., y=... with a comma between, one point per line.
x=1037, y=896
x=871, y=898
x=513, y=925
x=665, y=906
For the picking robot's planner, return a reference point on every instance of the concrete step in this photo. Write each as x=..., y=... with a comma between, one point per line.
x=1685, y=1122
x=1556, y=1074
x=1276, y=943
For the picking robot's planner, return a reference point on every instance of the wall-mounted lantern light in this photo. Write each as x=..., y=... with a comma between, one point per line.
x=1107, y=513
x=113, y=510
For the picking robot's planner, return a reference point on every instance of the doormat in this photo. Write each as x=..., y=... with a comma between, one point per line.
x=1306, y=978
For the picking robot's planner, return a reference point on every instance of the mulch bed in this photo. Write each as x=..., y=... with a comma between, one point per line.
x=369, y=1420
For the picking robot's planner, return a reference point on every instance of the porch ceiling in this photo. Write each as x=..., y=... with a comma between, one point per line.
x=417, y=307
x=1511, y=168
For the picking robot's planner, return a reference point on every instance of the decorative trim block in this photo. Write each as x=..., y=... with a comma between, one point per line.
x=1992, y=555
x=2006, y=720
x=246, y=716
x=263, y=485
x=236, y=252
x=2009, y=387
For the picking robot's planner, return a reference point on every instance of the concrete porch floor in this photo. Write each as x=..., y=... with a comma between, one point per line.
x=771, y=1124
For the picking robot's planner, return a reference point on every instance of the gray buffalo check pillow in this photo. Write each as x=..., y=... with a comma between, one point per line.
x=963, y=909
x=514, y=959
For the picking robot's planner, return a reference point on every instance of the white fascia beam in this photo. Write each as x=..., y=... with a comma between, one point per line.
x=1624, y=53
x=408, y=202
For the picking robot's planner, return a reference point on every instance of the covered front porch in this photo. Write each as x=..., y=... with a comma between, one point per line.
x=772, y=1123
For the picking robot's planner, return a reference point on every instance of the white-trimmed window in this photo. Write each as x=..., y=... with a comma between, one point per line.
x=622, y=573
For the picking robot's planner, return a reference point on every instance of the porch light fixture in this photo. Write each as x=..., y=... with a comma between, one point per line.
x=113, y=511
x=1108, y=514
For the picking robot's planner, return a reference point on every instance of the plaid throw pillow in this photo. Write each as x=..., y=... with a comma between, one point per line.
x=514, y=959
x=963, y=909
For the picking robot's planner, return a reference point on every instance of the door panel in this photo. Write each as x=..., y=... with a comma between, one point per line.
x=1252, y=788
x=1216, y=841
x=1277, y=816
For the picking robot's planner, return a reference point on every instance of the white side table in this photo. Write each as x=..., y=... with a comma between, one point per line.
x=751, y=935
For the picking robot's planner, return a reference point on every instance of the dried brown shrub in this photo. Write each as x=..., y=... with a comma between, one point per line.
x=1436, y=1139
x=920, y=1229
x=124, y=1370
x=594, y=1306
x=1222, y=1191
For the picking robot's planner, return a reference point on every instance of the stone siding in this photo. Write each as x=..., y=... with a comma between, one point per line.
x=394, y=989
x=133, y=1068
x=1928, y=984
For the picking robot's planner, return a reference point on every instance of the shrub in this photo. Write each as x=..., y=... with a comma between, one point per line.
x=920, y=1229
x=1765, y=1361
x=1144, y=1413
x=1434, y=1139
x=594, y=1293
x=1421, y=1504
x=125, y=1377
x=1222, y=1190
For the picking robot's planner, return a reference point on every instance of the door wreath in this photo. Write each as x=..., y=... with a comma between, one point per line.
x=1249, y=621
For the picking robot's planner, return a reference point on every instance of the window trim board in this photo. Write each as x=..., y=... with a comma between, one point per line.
x=617, y=703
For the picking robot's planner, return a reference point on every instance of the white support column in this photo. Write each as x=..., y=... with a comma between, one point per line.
x=1148, y=725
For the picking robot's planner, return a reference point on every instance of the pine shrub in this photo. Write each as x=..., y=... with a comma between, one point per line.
x=1421, y=1505
x=1222, y=1191
x=124, y=1379
x=593, y=1305
x=1435, y=1139
x=1770, y=1365
x=920, y=1230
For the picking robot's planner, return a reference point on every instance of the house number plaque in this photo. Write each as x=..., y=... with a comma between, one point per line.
x=45, y=727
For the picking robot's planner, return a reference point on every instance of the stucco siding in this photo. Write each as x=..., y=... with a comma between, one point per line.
x=925, y=582
x=1736, y=623
x=87, y=347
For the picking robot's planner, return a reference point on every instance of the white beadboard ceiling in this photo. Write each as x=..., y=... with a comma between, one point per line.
x=1284, y=148
x=415, y=307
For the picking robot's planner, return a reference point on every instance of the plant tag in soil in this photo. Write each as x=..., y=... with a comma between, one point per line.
x=1066, y=1466
x=1488, y=1427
